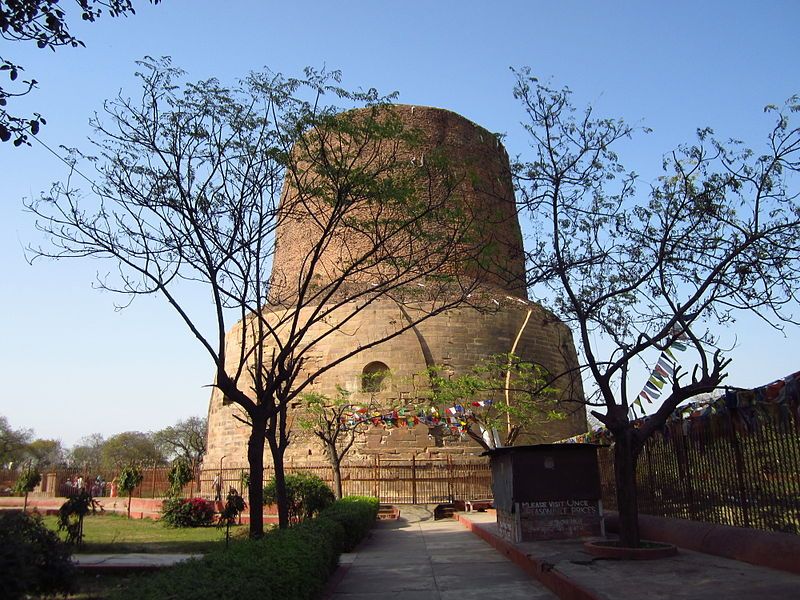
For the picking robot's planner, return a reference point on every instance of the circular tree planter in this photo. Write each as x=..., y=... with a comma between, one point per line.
x=647, y=551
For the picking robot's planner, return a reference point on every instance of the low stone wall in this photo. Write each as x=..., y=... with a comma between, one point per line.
x=141, y=508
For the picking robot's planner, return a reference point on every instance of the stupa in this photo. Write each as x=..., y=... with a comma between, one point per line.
x=455, y=340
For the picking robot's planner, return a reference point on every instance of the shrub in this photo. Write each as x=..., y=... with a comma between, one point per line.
x=187, y=512
x=306, y=495
x=234, y=506
x=288, y=564
x=32, y=558
x=72, y=512
x=356, y=514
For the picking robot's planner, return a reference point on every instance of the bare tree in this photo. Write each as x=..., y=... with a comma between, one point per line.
x=188, y=196
x=717, y=234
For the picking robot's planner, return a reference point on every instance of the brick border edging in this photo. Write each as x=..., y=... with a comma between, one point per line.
x=559, y=584
x=770, y=549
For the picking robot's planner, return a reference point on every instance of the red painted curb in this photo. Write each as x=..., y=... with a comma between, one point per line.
x=333, y=581
x=563, y=587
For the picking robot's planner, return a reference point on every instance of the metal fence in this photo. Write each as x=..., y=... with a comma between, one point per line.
x=63, y=482
x=723, y=469
x=730, y=468
x=399, y=481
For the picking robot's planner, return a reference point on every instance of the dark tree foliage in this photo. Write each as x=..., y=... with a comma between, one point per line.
x=45, y=453
x=43, y=22
x=13, y=442
x=632, y=273
x=88, y=452
x=130, y=447
x=33, y=561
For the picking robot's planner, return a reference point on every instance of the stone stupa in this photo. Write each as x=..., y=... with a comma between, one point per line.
x=455, y=340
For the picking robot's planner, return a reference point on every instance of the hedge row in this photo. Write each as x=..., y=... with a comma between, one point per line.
x=289, y=564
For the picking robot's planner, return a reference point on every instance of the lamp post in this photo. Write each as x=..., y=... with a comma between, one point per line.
x=218, y=491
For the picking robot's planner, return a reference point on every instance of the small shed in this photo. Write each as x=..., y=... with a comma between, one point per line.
x=547, y=491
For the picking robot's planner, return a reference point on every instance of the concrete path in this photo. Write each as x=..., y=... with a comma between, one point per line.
x=128, y=562
x=417, y=558
x=689, y=575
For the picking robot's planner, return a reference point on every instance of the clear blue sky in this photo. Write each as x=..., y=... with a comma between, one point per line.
x=70, y=365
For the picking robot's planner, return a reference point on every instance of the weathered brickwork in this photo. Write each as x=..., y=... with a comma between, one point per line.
x=457, y=339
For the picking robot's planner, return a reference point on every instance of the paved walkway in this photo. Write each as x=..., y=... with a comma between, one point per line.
x=133, y=561
x=689, y=575
x=417, y=558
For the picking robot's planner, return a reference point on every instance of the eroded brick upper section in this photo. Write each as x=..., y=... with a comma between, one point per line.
x=482, y=193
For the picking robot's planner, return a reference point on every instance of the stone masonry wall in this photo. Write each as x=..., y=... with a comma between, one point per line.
x=457, y=339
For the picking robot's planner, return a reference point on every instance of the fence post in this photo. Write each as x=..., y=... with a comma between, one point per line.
x=687, y=445
x=450, y=478
x=650, y=479
x=153, y=489
x=739, y=461
x=414, y=479
x=376, y=476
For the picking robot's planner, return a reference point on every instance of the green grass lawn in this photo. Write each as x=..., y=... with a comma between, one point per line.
x=117, y=534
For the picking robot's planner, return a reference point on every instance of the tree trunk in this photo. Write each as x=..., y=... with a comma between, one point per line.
x=336, y=467
x=280, y=483
x=130, y=496
x=255, y=458
x=625, y=455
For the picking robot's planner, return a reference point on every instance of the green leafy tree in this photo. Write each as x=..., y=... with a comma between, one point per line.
x=45, y=453
x=12, y=442
x=189, y=184
x=27, y=482
x=127, y=480
x=87, y=453
x=43, y=22
x=180, y=473
x=330, y=420
x=502, y=393
x=130, y=447
x=632, y=274
x=186, y=439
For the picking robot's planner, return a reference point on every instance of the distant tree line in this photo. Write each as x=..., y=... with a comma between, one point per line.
x=185, y=439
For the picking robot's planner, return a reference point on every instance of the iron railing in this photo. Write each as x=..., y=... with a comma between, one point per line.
x=721, y=469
